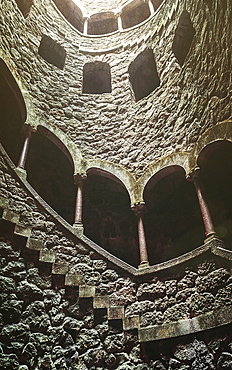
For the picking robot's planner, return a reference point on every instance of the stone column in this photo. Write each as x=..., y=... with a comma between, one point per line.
x=85, y=30
x=27, y=136
x=118, y=15
x=194, y=176
x=151, y=7
x=139, y=210
x=78, y=179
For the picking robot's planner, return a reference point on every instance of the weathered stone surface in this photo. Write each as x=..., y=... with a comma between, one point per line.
x=214, y=280
x=151, y=291
x=151, y=318
x=171, y=287
x=201, y=303
x=223, y=296
x=114, y=343
x=29, y=292
x=15, y=332
x=87, y=339
x=225, y=361
x=138, y=308
x=187, y=281
x=177, y=312
x=36, y=317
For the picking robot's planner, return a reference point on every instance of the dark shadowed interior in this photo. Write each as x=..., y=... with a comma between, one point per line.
x=143, y=74
x=108, y=219
x=11, y=121
x=183, y=37
x=51, y=175
x=173, y=223
x=216, y=173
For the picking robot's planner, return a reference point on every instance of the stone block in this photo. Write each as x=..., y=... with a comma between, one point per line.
x=101, y=302
x=10, y=216
x=47, y=256
x=34, y=244
x=78, y=229
x=86, y=291
x=130, y=323
x=73, y=279
x=116, y=313
x=21, y=173
x=60, y=268
x=4, y=202
x=22, y=230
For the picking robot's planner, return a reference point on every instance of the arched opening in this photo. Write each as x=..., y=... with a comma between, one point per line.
x=143, y=74
x=102, y=23
x=173, y=223
x=13, y=113
x=134, y=13
x=215, y=162
x=107, y=217
x=52, y=52
x=96, y=78
x=183, y=37
x=24, y=6
x=71, y=12
x=51, y=175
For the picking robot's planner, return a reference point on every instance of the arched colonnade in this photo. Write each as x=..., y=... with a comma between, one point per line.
x=187, y=162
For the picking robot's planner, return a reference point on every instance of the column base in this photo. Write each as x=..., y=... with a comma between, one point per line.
x=21, y=173
x=78, y=229
x=143, y=265
x=211, y=237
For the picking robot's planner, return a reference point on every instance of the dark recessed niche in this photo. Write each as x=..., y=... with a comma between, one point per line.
x=183, y=37
x=143, y=74
x=102, y=23
x=134, y=13
x=71, y=12
x=52, y=52
x=24, y=6
x=96, y=78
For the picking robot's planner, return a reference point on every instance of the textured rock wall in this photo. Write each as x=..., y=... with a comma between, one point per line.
x=45, y=325
x=112, y=126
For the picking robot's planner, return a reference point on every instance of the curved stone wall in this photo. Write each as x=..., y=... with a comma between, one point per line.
x=131, y=134
x=65, y=302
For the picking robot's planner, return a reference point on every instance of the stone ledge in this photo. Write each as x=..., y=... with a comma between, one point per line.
x=73, y=279
x=4, y=202
x=197, y=324
x=130, y=323
x=101, y=302
x=34, y=244
x=22, y=231
x=10, y=216
x=60, y=269
x=47, y=256
x=86, y=291
x=116, y=312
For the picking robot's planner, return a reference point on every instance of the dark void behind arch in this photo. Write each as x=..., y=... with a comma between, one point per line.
x=134, y=13
x=183, y=37
x=24, y=6
x=52, y=52
x=143, y=74
x=71, y=12
x=102, y=23
x=96, y=78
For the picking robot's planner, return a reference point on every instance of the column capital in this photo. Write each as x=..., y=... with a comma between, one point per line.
x=79, y=177
x=27, y=128
x=139, y=208
x=194, y=174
